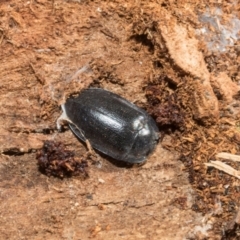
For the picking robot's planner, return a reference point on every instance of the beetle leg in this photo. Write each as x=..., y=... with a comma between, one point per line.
x=62, y=118
x=92, y=153
x=89, y=147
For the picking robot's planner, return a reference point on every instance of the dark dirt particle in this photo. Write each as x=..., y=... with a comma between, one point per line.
x=165, y=107
x=54, y=160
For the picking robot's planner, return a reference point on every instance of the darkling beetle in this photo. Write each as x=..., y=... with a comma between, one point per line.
x=112, y=125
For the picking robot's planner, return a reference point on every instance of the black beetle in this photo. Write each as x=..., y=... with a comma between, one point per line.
x=111, y=124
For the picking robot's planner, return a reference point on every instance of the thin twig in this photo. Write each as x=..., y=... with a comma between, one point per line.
x=228, y=156
x=224, y=167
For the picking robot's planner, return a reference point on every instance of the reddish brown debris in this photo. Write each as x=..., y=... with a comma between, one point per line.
x=53, y=159
x=164, y=107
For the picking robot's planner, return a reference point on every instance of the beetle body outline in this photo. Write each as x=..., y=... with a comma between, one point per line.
x=112, y=124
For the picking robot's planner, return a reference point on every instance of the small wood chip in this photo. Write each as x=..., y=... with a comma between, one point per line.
x=229, y=156
x=224, y=167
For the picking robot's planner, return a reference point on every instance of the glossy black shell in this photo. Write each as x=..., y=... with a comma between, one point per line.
x=113, y=125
